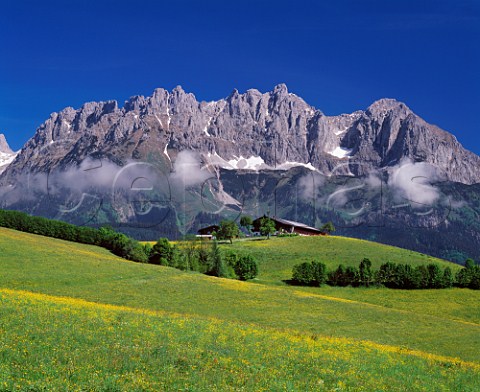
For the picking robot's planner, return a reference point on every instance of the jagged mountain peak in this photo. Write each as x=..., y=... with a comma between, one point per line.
x=234, y=94
x=388, y=105
x=4, y=147
x=253, y=91
x=178, y=90
x=281, y=89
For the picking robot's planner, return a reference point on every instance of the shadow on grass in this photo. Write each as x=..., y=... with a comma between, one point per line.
x=292, y=282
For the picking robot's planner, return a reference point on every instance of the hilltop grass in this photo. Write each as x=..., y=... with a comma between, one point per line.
x=278, y=255
x=382, y=328
x=65, y=344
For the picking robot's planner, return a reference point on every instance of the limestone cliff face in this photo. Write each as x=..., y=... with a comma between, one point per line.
x=276, y=126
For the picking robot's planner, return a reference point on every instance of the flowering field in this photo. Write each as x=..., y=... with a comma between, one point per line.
x=74, y=317
x=60, y=343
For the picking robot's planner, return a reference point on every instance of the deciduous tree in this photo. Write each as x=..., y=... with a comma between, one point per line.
x=228, y=230
x=267, y=226
x=328, y=228
x=246, y=268
x=246, y=222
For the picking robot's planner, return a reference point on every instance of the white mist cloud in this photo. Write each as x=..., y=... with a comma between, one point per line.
x=412, y=183
x=373, y=180
x=187, y=170
x=92, y=181
x=309, y=186
x=90, y=174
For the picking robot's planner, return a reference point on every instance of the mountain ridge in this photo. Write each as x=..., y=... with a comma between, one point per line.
x=276, y=126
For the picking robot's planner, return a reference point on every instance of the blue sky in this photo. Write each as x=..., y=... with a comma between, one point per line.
x=339, y=56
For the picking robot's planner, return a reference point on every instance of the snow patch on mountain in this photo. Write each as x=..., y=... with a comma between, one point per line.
x=288, y=165
x=252, y=163
x=6, y=159
x=340, y=152
x=341, y=131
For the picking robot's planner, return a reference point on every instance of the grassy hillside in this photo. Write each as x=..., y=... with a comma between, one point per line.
x=175, y=330
x=61, y=343
x=277, y=256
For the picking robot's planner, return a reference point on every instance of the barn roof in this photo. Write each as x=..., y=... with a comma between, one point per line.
x=296, y=224
x=208, y=228
x=287, y=222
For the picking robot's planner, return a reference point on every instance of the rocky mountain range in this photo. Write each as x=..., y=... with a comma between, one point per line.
x=252, y=130
x=166, y=164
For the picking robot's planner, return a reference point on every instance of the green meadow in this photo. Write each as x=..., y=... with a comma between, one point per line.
x=75, y=317
x=277, y=256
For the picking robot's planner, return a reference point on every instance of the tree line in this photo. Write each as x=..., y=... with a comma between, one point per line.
x=190, y=256
x=391, y=275
x=118, y=243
